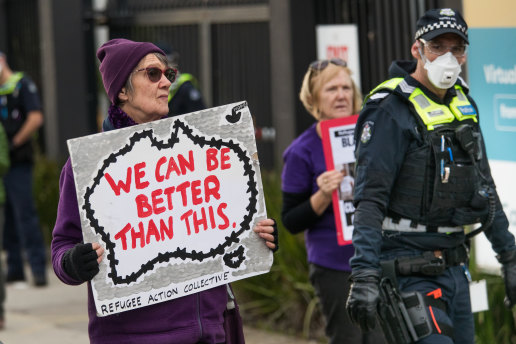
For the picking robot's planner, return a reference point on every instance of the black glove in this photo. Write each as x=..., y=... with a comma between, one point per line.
x=275, y=235
x=508, y=261
x=364, y=298
x=80, y=262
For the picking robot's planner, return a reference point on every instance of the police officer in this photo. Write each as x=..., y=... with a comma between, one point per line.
x=21, y=116
x=421, y=175
x=184, y=95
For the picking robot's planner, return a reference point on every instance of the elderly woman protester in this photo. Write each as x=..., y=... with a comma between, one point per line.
x=327, y=92
x=136, y=78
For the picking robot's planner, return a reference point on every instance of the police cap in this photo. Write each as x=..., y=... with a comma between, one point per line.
x=435, y=22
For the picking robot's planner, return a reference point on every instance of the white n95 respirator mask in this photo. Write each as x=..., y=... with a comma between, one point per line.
x=443, y=71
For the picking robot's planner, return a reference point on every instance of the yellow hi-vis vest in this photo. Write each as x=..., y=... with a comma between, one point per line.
x=10, y=84
x=181, y=80
x=430, y=112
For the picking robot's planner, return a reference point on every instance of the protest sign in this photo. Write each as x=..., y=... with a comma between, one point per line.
x=340, y=41
x=173, y=202
x=339, y=147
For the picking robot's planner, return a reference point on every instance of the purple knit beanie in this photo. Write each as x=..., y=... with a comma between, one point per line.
x=118, y=58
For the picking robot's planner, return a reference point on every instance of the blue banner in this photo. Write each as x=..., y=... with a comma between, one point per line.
x=492, y=78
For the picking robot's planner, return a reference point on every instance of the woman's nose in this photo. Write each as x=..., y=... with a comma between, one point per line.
x=167, y=82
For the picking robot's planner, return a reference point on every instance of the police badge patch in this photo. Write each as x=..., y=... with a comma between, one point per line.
x=447, y=12
x=367, y=132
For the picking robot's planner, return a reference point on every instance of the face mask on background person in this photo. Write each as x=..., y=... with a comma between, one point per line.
x=443, y=71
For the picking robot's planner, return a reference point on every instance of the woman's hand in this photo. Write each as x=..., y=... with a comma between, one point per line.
x=329, y=181
x=82, y=261
x=268, y=231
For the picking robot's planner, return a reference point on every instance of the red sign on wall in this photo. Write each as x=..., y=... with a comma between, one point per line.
x=337, y=51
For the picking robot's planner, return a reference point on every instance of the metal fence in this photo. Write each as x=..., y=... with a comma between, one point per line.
x=181, y=38
x=22, y=48
x=133, y=6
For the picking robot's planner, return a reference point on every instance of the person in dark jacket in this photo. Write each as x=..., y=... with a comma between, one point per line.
x=184, y=94
x=136, y=77
x=422, y=175
x=21, y=116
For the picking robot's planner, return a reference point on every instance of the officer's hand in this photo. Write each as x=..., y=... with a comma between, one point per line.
x=363, y=299
x=329, y=181
x=508, y=261
x=81, y=262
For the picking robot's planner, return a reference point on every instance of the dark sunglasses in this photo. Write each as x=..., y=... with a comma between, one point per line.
x=319, y=65
x=154, y=73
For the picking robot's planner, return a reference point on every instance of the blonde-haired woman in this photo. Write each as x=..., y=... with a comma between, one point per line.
x=328, y=92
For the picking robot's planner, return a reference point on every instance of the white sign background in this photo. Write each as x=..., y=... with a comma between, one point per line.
x=340, y=41
x=343, y=154
x=339, y=146
x=173, y=202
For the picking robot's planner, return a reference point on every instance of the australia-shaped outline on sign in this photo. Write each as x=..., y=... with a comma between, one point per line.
x=153, y=256
x=179, y=252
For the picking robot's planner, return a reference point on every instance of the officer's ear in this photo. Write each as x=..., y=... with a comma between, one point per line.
x=416, y=50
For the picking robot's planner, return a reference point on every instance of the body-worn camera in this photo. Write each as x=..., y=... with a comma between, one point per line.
x=469, y=140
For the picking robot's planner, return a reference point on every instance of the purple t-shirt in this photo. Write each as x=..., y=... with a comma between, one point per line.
x=303, y=163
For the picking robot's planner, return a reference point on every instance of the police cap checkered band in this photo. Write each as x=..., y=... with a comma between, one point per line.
x=438, y=21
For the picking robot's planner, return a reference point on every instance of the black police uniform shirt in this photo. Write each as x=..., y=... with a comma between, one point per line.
x=187, y=99
x=385, y=131
x=14, y=108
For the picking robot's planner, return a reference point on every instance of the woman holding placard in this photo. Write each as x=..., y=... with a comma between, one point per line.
x=327, y=92
x=137, y=78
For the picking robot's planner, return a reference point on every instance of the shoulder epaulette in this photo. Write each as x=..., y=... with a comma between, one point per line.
x=383, y=90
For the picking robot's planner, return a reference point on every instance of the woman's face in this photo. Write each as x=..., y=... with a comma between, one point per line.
x=336, y=97
x=149, y=100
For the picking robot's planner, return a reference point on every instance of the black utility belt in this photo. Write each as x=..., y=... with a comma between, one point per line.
x=431, y=263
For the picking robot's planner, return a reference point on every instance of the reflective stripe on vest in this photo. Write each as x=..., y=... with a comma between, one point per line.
x=430, y=112
x=11, y=83
x=181, y=80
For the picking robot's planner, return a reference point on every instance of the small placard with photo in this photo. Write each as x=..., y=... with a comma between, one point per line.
x=339, y=147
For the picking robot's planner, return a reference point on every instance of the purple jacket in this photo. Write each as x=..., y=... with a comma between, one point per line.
x=189, y=319
x=304, y=162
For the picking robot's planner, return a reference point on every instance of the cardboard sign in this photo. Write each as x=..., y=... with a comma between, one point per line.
x=339, y=154
x=173, y=202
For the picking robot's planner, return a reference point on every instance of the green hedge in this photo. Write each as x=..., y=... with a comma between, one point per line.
x=46, y=193
x=284, y=299
x=497, y=325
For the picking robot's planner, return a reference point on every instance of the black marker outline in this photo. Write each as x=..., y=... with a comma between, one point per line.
x=179, y=252
x=235, y=258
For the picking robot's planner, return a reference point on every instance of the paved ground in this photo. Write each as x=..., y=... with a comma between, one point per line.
x=57, y=314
